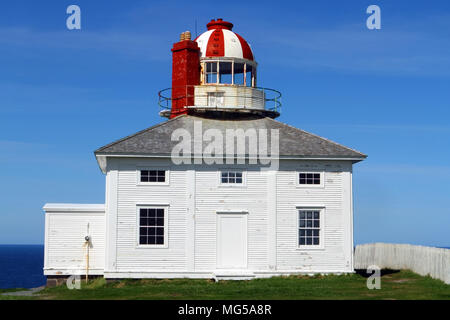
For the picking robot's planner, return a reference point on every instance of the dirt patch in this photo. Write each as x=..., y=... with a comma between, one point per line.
x=25, y=293
x=369, y=295
x=400, y=280
x=175, y=294
x=121, y=284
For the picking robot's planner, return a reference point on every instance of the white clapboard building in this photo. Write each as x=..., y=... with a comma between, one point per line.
x=220, y=190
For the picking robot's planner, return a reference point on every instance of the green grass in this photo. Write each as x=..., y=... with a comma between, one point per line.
x=399, y=285
x=11, y=290
x=12, y=297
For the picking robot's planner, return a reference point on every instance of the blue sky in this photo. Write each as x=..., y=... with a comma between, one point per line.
x=386, y=93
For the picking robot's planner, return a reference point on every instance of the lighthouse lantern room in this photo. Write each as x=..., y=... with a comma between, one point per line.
x=216, y=73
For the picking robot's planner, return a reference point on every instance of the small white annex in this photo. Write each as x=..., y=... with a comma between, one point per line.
x=231, y=220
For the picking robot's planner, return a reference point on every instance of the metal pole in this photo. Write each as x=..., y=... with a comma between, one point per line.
x=87, y=261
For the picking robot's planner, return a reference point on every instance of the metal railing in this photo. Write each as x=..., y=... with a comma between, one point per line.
x=265, y=99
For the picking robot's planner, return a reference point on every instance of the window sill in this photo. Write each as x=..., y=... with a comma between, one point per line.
x=310, y=186
x=152, y=246
x=153, y=184
x=239, y=186
x=310, y=248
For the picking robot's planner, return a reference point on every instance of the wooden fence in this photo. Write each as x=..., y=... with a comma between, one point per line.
x=434, y=262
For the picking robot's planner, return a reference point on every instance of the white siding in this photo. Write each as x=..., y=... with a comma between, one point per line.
x=194, y=195
x=333, y=257
x=65, y=250
x=130, y=257
x=233, y=97
x=210, y=198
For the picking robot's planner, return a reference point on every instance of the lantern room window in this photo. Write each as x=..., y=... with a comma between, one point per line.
x=239, y=73
x=248, y=75
x=211, y=72
x=229, y=72
x=226, y=72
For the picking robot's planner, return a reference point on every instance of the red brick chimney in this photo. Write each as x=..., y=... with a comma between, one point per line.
x=185, y=73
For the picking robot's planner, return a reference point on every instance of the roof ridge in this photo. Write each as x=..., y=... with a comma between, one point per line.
x=137, y=133
x=315, y=135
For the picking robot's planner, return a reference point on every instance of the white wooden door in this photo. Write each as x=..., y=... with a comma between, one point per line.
x=231, y=240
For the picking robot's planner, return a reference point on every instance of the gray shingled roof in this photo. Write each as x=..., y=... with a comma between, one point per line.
x=294, y=142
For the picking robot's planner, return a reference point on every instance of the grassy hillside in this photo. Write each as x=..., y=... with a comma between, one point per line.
x=397, y=285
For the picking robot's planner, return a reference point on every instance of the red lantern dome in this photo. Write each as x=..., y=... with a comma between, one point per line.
x=220, y=41
x=215, y=75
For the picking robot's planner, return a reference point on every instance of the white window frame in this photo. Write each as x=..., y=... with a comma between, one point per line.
x=140, y=183
x=232, y=185
x=245, y=62
x=166, y=225
x=321, y=245
x=216, y=73
x=322, y=179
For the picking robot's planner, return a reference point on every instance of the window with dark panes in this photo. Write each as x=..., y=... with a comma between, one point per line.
x=151, y=226
x=234, y=177
x=238, y=73
x=225, y=72
x=309, y=178
x=153, y=176
x=309, y=228
x=211, y=72
x=248, y=75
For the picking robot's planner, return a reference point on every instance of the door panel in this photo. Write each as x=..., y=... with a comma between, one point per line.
x=232, y=241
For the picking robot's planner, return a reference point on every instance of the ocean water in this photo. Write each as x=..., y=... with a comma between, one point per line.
x=21, y=266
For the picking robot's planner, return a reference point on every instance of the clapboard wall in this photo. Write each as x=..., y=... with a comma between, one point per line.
x=66, y=226
x=336, y=202
x=130, y=195
x=194, y=195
